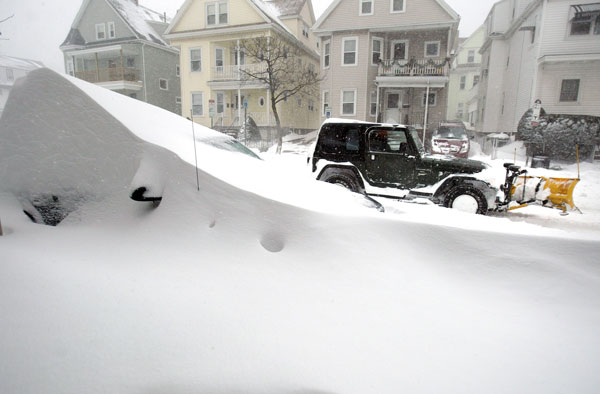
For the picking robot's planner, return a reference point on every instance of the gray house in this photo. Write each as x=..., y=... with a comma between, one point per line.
x=118, y=44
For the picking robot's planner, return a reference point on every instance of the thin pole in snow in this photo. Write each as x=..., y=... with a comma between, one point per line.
x=426, y=112
x=1, y=229
x=195, y=153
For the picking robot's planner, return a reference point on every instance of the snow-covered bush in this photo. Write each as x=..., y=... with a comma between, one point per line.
x=556, y=136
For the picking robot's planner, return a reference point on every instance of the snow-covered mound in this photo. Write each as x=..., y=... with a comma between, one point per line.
x=224, y=290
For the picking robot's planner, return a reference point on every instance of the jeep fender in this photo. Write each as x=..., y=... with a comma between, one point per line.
x=452, y=181
x=331, y=169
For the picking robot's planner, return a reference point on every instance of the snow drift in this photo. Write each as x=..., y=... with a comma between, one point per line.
x=239, y=287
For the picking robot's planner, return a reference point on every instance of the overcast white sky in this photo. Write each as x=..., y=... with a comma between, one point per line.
x=40, y=26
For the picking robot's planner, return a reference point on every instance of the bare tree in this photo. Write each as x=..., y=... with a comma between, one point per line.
x=282, y=70
x=4, y=20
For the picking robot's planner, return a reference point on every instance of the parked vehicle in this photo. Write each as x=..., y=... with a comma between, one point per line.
x=390, y=161
x=451, y=138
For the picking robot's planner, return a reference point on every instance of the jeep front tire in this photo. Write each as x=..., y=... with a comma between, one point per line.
x=466, y=199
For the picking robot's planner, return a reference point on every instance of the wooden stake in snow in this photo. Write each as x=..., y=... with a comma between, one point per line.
x=1, y=229
x=195, y=154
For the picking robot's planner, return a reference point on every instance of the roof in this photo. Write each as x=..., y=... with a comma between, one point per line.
x=137, y=18
x=335, y=3
x=19, y=64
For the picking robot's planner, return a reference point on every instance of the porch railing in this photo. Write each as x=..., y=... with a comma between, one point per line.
x=413, y=67
x=260, y=118
x=110, y=74
x=236, y=73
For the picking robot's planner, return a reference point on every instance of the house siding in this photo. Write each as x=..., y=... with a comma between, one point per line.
x=416, y=12
x=98, y=11
x=161, y=64
x=240, y=13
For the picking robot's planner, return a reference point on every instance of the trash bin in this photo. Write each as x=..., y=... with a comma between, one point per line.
x=540, y=162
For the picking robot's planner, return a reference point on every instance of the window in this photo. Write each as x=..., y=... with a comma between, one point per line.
x=377, y=49
x=585, y=19
x=311, y=68
x=261, y=101
x=326, y=49
x=396, y=6
x=111, y=30
x=100, y=31
x=163, y=84
x=366, y=7
x=389, y=141
x=432, y=49
x=70, y=67
x=196, y=59
x=178, y=100
x=177, y=70
x=311, y=105
x=130, y=62
x=431, y=101
x=220, y=103
x=197, y=106
x=569, y=90
x=475, y=80
x=348, y=102
x=350, y=49
x=373, y=108
x=305, y=30
x=217, y=13
x=10, y=76
x=299, y=102
x=399, y=49
x=463, y=82
x=325, y=101
x=235, y=54
x=219, y=59
x=471, y=56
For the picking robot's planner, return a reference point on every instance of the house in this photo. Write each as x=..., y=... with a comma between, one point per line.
x=547, y=50
x=213, y=61
x=118, y=44
x=387, y=60
x=11, y=69
x=465, y=74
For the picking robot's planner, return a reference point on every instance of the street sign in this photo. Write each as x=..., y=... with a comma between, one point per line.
x=212, y=108
x=327, y=112
x=245, y=104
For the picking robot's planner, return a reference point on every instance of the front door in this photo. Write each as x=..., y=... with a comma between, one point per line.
x=391, y=161
x=393, y=104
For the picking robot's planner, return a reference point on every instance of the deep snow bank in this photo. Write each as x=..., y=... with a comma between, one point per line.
x=225, y=291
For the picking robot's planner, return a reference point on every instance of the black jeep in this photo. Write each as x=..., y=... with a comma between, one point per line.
x=390, y=161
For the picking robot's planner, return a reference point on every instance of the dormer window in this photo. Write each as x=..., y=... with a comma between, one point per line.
x=100, y=31
x=366, y=7
x=305, y=29
x=217, y=13
x=397, y=6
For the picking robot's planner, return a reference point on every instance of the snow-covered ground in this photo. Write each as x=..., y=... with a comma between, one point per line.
x=264, y=281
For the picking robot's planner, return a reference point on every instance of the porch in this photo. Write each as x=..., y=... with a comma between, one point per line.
x=413, y=68
x=114, y=67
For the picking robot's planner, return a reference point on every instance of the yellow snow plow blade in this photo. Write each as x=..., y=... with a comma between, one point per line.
x=561, y=191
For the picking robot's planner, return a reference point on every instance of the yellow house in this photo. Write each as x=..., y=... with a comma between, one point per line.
x=214, y=88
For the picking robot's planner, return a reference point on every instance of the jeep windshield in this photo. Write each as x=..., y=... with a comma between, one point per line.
x=454, y=133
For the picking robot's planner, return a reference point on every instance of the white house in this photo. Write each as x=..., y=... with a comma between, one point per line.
x=12, y=68
x=539, y=49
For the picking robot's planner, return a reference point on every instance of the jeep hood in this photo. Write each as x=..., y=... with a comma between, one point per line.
x=453, y=164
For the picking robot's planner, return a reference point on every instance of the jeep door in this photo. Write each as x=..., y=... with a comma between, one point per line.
x=390, y=158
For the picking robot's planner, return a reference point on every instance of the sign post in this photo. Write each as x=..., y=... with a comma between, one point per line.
x=327, y=112
x=245, y=121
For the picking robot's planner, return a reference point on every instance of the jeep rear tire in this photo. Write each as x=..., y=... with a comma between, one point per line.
x=467, y=199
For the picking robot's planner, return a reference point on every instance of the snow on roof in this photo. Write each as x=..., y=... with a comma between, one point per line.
x=287, y=7
x=18, y=63
x=272, y=10
x=137, y=17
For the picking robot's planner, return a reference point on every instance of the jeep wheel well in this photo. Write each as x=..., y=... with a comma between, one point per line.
x=331, y=171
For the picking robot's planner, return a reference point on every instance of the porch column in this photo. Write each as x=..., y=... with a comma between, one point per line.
x=239, y=105
x=377, y=108
x=426, y=111
x=97, y=68
x=122, y=70
x=237, y=56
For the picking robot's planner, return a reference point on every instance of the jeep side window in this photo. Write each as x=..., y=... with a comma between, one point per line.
x=388, y=141
x=335, y=139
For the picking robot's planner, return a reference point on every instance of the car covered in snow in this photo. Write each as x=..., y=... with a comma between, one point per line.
x=450, y=138
x=389, y=160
